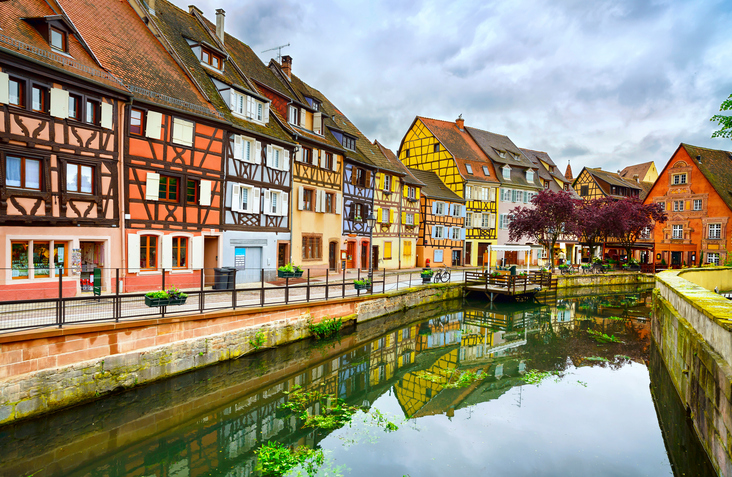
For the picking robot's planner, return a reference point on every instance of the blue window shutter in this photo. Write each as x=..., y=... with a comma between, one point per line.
x=500, y=221
x=462, y=234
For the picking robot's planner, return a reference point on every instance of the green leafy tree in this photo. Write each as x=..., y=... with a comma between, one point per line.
x=724, y=121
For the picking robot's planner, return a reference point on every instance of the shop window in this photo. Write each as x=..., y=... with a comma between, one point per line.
x=19, y=259
x=168, y=189
x=148, y=252
x=79, y=178
x=137, y=119
x=23, y=173
x=192, y=192
x=41, y=259
x=180, y=252
x=16, y=92
x=60, y=256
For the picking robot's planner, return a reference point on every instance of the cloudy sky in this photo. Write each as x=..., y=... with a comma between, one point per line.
x=600, y=83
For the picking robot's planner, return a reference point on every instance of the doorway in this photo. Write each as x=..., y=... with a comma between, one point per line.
x=468, y=255
x=676, y=258
x=282, y=254
x=482, y=249
x=364, y=255
x=92, y=256
x=375, y=257
x=351, y=255
x=456, y=258
x=210, y=258
x=332, y=254
x=511, y=258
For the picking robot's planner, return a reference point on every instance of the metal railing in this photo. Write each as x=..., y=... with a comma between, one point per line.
x=71, y=299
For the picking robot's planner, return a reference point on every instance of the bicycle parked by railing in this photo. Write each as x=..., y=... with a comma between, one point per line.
x=441, y=275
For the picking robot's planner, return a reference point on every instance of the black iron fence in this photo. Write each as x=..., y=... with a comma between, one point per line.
x=111, y=295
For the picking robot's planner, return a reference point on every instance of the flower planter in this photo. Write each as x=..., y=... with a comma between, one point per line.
x=298, y=274
x=361, y=287
x=285, y=274
x=426, y=279
x=156, y=302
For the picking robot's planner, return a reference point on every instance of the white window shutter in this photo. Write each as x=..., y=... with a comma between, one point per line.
x=300, y=198
x=166, y=251
x=285, y=197
x=236, y=198
x=232, y=99
x=493, y=194
x=434, y=208
x=197, y=252
x=298, y=154
x=317, y=200
x=339, y=204
x=258, y=153
x=107, y=111
x=267, y=202
x=4, y=88
x=323, y=159
x=254, y=208
x=152, y=186
x=335, y=162
x=205, y=194
x=286, y=163
x=265, y=116
x=154, y=123
x=268, y=156
x=318, y=122
x=133, y=252
x=303, y=114
x=492, y=223
x=60, y=104
x=238, y=147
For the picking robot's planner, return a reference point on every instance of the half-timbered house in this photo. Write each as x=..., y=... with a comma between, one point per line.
x=257, y=149
x=173, y=149
x=60, y=117
x=447, y=149
x=442, y=224
x=317, y=207
x=399, y=243
x=694, y=189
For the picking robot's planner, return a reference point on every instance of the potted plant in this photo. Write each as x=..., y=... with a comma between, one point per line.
x=287, y=271
x=298, y=271
x=426, y=275
x=171, y=296
x=362, y=284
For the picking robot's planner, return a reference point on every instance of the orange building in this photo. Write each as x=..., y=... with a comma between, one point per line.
x=694, y=187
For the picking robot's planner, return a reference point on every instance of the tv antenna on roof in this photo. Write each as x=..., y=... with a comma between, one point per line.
x=279, y=51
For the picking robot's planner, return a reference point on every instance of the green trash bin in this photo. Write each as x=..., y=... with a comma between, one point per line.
x=97, y=281
x=513, y=269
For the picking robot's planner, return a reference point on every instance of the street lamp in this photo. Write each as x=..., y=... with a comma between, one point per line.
x=371, y=222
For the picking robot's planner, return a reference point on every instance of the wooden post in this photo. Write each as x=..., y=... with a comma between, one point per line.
x=261, y=294
x=201, y=297
x=307, y=290
x=326, y=284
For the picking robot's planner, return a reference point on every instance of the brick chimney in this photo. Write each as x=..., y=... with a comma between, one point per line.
x=287, y=66
x=220, y=14
x=460, y=122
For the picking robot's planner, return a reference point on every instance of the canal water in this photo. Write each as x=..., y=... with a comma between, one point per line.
x=572, y=387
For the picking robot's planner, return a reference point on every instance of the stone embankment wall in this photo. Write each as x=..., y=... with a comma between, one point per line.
x=692, y=328
x=587, y=281
x=49, y=369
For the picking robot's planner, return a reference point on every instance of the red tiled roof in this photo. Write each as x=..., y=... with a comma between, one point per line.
x=391, y=157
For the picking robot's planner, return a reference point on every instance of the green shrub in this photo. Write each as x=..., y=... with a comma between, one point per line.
x=274, y=459
x=326, y=328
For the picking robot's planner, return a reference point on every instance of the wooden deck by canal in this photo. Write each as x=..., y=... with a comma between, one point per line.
x=518, y=287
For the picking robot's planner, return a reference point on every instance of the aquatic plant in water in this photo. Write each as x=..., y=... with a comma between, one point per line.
x=534, y=376
x=601, y=337
x=275, y=459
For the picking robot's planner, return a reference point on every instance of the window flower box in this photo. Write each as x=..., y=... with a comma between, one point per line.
x=171, y=296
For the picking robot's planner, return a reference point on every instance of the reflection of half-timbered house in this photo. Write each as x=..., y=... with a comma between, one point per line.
x=317, y=204
x=257, y=149
x=447, y=149
x=59, y=156
x=173, y=150
x=441, y=222
x=400, y=240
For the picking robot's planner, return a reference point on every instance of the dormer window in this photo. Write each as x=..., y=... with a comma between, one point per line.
x=469, y=168
x=58, y=39
x=516, y=157
x=313, y=103
x=210, y=58
x=293, y=115
x=501, y=154
x=349, y=142
x=486, y=171
x=529, y=176
x=248, y=107
x=506, y=172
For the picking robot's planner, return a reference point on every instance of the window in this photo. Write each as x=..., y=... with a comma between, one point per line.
x=385, y=216
x=23, y=173
x=411, y=192
x=506, y=172
x=16, y=92
x=484, y=193
x=307, y=199
x=530, y=176
x=387, y=250
x=210, y=58
x=59, y=258
x=440, y=208
x=409, y=219
x=79, y=178
x=663, y=205
x=678, y=205
x=92, y=112
x=312, y=247
x=245, y=199
x=243, y=148
x=329, y=203
x=697, y=204
x=293, y=115
x=307, y=155
x=182, y=132
x=469, y=168
x=456, y=210
x=406, y=153
x=136, y=122
x=19, y=259
x=678, y=232
x=58, y=39
x=456, y=233
x=247, y=106
x=584, y=191
x=168, y=190
x=275, y=158
x=41, y=259
x=486, y=171
x=715, y=231
x=192, y=192
x=148, y=252
x=75, y=107
x=504, y=220
x=329, y=161
x=387, y=183
x=468, y=220
x=275, y=203
x=436, y=148
x=180, y=252
x=349, y=142
x=359, y=177
x=438, y=232
x=39, y=99
x=485, y=221
x=713, y=258
x=679, y=179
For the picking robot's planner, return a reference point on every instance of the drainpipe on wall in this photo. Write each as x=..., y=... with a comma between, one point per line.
x=120, y=138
